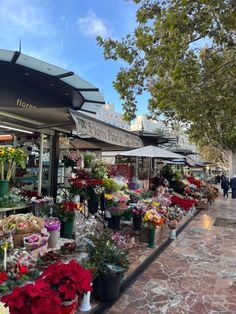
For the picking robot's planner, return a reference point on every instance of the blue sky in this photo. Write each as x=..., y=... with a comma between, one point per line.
x=63, y=32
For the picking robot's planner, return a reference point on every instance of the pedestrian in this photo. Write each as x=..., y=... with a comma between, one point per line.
x=225, y=185
x=233, y=185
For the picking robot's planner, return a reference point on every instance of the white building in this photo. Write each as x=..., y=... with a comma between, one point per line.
x=107, y=114
x=143, y=123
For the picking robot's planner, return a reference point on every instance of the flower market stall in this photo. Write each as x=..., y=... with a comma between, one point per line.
x=61, y=252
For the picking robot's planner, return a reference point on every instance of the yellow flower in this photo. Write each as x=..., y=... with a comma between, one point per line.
x=1, y=150
x=125, y=186
x=108, y=197
x=154, y=203
x=11, y=150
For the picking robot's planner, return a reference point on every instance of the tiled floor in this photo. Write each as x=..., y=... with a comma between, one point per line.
x=195, y=274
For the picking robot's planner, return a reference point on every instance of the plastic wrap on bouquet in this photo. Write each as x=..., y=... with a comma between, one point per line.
x=173, y=234
x=67, y=176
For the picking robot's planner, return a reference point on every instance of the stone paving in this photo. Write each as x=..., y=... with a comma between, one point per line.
x=195, y=274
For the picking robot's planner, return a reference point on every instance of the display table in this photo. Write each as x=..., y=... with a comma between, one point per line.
x=3, y=210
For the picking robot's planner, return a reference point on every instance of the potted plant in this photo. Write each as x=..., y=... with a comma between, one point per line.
x=33, y=298
x=10, y=158
x=108, y=262
x=66, y=213
x=70, y=281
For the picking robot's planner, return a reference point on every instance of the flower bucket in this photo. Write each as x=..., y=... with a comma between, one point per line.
x=115, y=223
x=53, y=238
x=151, y=238
x=69, y=307
x=4, y=188
x=137, y=220
x=93, y=206
x=67, y=228
x=106, y=288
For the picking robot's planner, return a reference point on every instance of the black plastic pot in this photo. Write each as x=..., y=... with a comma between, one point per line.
x=137, y=220
x=93, y=206
x=115, y=223
x=106, y=288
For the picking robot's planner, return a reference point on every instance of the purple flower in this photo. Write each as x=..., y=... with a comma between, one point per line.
x=52, y=224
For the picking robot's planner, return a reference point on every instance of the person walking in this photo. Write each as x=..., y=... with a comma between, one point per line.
x=225, y=185
x=233, y=185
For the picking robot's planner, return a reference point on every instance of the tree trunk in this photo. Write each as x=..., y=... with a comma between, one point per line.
x=232, y=165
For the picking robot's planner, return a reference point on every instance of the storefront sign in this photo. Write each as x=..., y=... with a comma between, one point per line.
x=104, y=132
x=22, y=104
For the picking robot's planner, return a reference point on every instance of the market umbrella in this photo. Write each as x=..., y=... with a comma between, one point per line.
x=151, y=152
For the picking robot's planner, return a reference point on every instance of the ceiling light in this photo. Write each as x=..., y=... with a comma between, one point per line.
x=15, y=129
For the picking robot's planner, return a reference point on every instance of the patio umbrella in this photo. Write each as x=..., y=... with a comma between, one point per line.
x=152, y=152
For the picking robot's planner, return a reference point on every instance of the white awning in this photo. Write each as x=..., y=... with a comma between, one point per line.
x=103, y=131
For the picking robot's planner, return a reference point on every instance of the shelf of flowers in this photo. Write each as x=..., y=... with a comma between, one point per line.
x=63, y=246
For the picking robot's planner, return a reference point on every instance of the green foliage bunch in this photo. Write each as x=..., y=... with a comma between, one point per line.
x=105, y=257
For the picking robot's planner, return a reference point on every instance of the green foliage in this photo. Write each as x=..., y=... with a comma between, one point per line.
x=105, y=258
x=183, y=53
x=110, y=186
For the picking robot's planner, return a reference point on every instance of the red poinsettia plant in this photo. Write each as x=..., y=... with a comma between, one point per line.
x=3, y=277
x=37, y=298
x=69, y=280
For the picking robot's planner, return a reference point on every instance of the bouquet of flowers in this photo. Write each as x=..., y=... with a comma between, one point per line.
x=71, y=159
x=10, y=158
x=117, y=203
x=66, y=211
x=52, y=224
x=138, y=210
x=175, y=213
x=152, y=219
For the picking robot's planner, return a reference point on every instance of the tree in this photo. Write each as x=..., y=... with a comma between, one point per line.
x=183, y=53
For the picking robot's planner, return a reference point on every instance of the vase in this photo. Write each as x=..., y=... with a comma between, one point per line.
x=127, y=215
x=67, y=176
x=115, y=223
x=106, y=288
x=4, y=188
x=69, y=307
x=151, y=238
x=173, y=234
x=93, y=206
x=85, y=303
x=67, y=228
x=53, y=238
x=137, y=220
